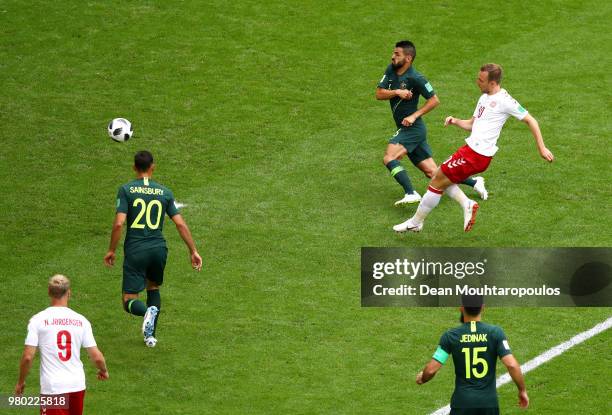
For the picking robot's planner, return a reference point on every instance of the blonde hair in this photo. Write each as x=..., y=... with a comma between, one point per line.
x=494, y=72
x=58, y=286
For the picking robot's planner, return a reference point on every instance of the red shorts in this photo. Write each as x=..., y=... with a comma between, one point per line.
x=73, y=406
x=464, y=163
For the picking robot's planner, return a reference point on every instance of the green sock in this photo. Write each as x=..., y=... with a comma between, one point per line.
x=154, y=299
x=400, y=175
x=469, y=181
x=136, y=307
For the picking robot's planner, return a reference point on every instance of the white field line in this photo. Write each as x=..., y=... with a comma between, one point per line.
x=546, y=356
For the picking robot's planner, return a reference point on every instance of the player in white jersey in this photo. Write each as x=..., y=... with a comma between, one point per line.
x=60, y=333
x=494, y=107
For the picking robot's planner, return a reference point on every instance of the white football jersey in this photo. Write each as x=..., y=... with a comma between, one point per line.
x=490, y=115
x=59, y=333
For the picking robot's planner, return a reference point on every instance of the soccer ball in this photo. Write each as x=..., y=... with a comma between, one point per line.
x=120, y=130
x=150, y=341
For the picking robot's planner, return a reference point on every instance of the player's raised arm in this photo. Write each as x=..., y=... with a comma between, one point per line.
x=463, y=124
x=183, y=230
x=24, y=368
x=109, y=258
x=534, y=127
x=514, y=369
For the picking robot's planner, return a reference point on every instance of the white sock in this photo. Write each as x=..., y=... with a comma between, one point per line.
x=457, y=194
x=429, y=201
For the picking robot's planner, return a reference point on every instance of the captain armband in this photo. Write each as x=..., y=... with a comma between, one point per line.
x=440, y=355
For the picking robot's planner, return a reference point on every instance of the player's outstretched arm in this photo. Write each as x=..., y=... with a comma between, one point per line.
x=534, y=127
x=514, y=369
x=387, y=94
x=97, y=358
x=24, y=368
x=183, y=230
x=463, y=124
x=428, y=372
x=109, y=258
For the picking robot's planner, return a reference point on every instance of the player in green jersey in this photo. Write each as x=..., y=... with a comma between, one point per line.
x=402, y=85
x=475, y=347
x=143, y=203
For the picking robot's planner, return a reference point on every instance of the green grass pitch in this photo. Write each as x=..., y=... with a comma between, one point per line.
x=262, y=119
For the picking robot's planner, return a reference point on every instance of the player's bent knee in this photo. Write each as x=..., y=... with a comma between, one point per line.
x=127, y=297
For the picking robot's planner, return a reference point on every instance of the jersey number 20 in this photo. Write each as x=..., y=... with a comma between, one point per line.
x=471, y=364
x=145, y=210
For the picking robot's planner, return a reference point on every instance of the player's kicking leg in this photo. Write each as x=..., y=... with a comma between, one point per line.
x=456, y=169
x=393, y=154
x=439, y=185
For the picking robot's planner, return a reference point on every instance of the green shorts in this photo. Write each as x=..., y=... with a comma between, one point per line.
x=474, y=411
x=143, y=265
x=414, y=140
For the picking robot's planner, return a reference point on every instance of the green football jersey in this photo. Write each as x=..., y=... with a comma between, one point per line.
x=475, y=347
x=412, y=80
x=146, y=203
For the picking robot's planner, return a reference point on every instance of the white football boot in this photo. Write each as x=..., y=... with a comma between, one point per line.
x=409, y=199
x=469, y=215
x=480, y=188
x=150, y=341
x=148, y=324
x=408, y=226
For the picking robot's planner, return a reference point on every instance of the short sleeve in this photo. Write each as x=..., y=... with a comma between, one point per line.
x=32, y=337
x=512, y=107
x=122, y=202
x=384, y=81
x=171, y=206
x=88, y=338
x=424, y=88
x=445, y=343
x=503, y=348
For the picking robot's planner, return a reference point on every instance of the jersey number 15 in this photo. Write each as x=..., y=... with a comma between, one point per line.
x=471, y=364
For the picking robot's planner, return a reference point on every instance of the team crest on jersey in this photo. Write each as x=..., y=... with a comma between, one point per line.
x=403, y=85
x=493, y=104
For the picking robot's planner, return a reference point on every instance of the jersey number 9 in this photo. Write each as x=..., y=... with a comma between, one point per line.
x=64, y=344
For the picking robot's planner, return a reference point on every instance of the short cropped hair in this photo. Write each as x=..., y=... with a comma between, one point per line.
x=408, y=46
x=494, y=72
x=472, y=304
x=143, y=161
x=58, y=286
